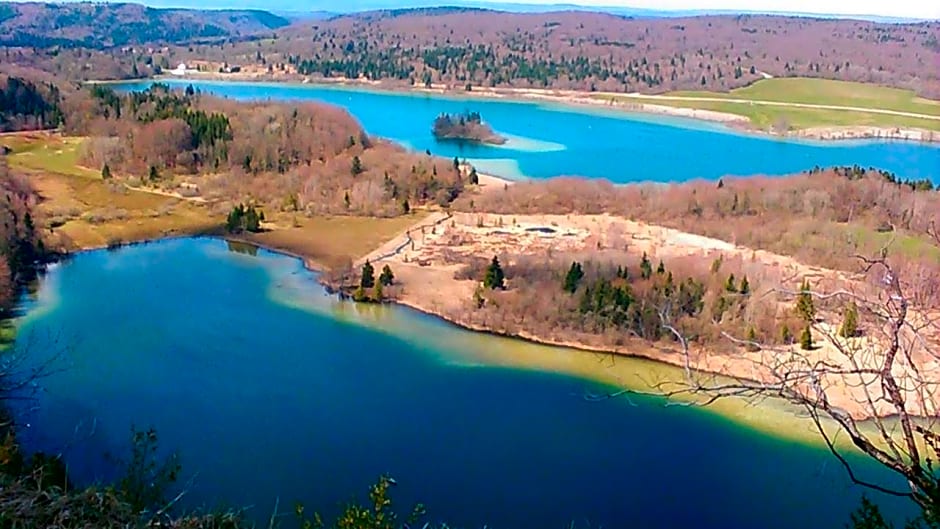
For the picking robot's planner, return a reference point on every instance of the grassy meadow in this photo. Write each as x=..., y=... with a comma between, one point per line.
x=81, y=210
x=812, y=92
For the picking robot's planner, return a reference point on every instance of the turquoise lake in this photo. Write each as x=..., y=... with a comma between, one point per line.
x=548, y=140
x=273, y=390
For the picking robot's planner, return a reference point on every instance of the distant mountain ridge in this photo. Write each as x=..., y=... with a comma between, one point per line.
x=102, y=25
x=321, y=7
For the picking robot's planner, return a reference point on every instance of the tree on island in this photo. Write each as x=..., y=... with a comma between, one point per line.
x=387, y=277
x=573, y=277
x=368, y=275
x=494, y=278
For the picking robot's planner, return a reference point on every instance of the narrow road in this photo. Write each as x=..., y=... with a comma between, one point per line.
x=776, y=104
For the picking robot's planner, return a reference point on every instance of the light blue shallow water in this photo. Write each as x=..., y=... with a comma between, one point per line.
x=551, y=140
x=274, y=391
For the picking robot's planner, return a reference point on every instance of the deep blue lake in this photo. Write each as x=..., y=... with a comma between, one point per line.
x=550, y=140
x=272, y=390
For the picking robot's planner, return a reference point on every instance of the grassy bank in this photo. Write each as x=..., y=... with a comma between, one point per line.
x=764, y=104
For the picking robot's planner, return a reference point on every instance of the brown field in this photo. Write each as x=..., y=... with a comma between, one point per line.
x=331, y=242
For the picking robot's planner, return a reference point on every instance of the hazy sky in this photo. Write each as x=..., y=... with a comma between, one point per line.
x=892, y=8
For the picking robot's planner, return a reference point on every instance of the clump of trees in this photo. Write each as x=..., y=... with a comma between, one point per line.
x=371, y=289
x=468, y=126
x=244, y=218
x=25, y=105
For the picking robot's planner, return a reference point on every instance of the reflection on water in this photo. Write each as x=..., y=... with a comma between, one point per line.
x=310, y=398
x=241, y=247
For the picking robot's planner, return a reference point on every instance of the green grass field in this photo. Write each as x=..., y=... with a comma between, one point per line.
x=42, y=152
x=813, y=92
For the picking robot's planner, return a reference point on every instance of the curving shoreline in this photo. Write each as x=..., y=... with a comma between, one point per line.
x=580, y=100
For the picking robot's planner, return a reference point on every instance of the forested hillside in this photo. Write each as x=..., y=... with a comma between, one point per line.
x=595, y=51
x=102, y=25
x=26, y=106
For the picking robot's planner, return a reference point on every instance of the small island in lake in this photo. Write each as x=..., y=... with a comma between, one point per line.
x=468, y=126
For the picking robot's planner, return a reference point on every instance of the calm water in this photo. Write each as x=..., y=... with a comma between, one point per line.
x=550, y=140
x=271, y=389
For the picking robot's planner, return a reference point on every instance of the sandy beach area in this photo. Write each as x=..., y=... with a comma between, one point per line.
x=426, y=258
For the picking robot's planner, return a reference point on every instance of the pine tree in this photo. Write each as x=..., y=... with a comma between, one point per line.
x=661, y=269
x=405, y=207
x=356, y=166
x=804, y=303
x=377, y=293
x=368, y=276
x=474, y=177
x=387, y=277
x=806, y=339
x=752, y=344
x=494, y=277
x=646, y=269
x=153, y=175
x=105, y=172
x=346, y=202
x=849, y=321
x=573, y=277
x=360, y=294
x=729, y=284
x=745, y=287
x=786, y=336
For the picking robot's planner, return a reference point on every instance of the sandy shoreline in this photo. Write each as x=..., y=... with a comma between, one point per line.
x=578, y=99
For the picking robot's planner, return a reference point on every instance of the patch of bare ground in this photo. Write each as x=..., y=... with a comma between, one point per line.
x=430, y=263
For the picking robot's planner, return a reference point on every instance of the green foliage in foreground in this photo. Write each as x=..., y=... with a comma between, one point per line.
x=35, y=493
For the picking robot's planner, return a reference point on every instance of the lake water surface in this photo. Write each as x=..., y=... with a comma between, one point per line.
x=272, y=390
x=552, y=140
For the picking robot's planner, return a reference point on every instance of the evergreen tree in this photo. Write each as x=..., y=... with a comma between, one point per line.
x=573, y=277
x=849, y=321
x=661, y=269
x=356, y=166
x=105, y=172
x=346, y=202
x=456, y=164
x=252, y=221
x=368, y=276
x=405, y=207
x=360, y=294
x=387, y=277
x=153, y=175
x=745, y=287
x=806, y=339
x=804, y=303
x=474, y=177
x=752, y=343
x=378, y=294
x=729, y=284
x=494, y=277
x=235, y=221
x=646, y=269
x=786, y=336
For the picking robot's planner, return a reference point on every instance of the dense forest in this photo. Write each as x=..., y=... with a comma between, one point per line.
x=21, y=245
x=26, y=106
x=301, y=157
x=593, y=51
x=105, y=25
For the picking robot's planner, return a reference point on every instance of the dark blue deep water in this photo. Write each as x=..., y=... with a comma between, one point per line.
x=272, y=390
x=551, y=140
